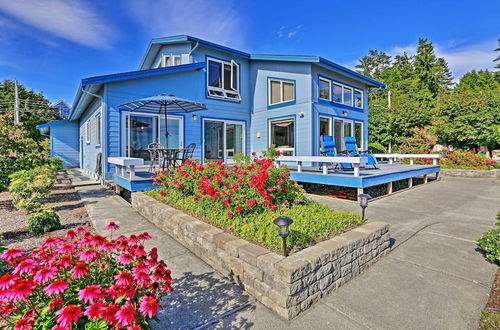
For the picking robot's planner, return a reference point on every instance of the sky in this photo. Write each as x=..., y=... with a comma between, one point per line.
x=50, y=45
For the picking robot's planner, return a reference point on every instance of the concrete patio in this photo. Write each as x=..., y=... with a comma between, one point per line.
x=433, y=279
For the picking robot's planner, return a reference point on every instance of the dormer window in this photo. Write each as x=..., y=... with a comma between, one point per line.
x=223, y=79
x=168, y=60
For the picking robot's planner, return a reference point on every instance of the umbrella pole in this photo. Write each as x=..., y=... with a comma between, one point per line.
x=166, y=127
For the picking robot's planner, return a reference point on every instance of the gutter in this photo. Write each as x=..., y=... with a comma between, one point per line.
x=104, y=134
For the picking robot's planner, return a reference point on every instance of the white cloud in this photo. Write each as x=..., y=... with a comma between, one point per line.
x=461, y=57
x=215, y=21
x=289, y=32
x=71, y=20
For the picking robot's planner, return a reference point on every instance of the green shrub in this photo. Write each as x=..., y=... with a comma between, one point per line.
x=29, y=188
x=377, y=148
x=43, y=221
x=245, y=198
x=55, y=163
x=490, y=243
x=470, y=160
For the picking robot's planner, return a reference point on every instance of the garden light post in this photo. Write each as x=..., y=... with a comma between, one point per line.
x=363, y=202
x=283, y=223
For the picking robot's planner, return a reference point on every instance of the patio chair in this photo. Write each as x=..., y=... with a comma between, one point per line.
x=154, y=155
x=187, y=153
x=327, y=148
x=351, y=149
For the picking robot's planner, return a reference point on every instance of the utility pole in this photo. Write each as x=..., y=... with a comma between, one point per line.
x=390, y=120
x=16, y=103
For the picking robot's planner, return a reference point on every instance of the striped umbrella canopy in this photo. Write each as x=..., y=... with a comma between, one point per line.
x=163, y=104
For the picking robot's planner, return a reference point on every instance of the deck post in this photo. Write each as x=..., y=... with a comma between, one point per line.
x=299, y=167
x=277, y=164
x=425, y=178
x=410, y=182
x=434, y=161
x=124, y=170
x=325, y=168
x=132, y=172
x=437, y=175
x=356, y=169
x=391, y=160
x=389, y=188
x=360, y=191
x=411, y=161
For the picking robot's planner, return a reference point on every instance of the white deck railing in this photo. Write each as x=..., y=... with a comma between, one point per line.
x=325, y=160
x=392, y=157
x=122, y=163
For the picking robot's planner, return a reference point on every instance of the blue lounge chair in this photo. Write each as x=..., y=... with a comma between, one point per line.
x=327, y=145
x=351, y=149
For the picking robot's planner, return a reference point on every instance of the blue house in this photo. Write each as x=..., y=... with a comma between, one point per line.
x=253, y=101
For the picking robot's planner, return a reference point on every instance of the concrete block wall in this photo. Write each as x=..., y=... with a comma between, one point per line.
x=288, y=286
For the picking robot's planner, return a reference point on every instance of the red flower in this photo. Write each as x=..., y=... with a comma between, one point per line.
x=11, y=254
x=124, y=278
x=7, y=280
x=109, y=313
x=80, y=270
x=95, y=310
x=238, y=209
x=45, y=274
x=148, y=306
x=125, y=315
x=68, y=314
x=90, y=293
x=250, y=202
x=229, y=215
x=162, y=193
x=125, y=258
x=25, y=266
x=89, y=255
x=21, y=289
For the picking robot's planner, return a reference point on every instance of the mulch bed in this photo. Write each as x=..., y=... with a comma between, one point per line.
x=66, y=202
x=493, y=307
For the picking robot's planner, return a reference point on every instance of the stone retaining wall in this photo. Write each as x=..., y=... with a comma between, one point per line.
x=495, y=173
x=289, y=285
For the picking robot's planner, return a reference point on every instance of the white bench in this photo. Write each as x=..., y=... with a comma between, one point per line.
x=121, y=164
x=355, y=161
x=392, y=157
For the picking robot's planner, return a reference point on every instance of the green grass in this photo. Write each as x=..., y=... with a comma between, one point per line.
x=490, y=320
x=313, y=222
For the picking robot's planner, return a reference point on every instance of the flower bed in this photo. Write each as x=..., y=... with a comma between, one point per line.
x=467, y=160
x=83, y=281
x=245, y=198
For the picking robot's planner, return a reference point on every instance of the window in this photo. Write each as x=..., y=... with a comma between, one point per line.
x=358, y=98
x=98, y=130
x=222, y=79
x=324, y=89
x=347, y=94
x=358, y=134
x=337, y=93
x=281, y=91
x=325, y=127
x=168, y=60
x=282, y=135
x=87, y=132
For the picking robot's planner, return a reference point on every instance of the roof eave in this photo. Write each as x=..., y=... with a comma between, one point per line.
x=351, y=73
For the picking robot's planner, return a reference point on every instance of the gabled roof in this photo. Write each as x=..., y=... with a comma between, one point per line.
x=55, y=104
x=156, y=44
x=54, y=123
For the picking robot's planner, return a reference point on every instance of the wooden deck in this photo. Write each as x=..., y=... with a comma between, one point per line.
x=368, y=176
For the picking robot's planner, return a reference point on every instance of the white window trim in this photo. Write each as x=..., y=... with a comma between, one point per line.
x=281, y=81
x=360, y=143
x=352, y=95
x=225, y=122
x=232, y=64
x=98, y=130
x=330, y=124
x=87, y=132
x=126, y=132
x=341, y=92
x=362, y=98
x=329, y=89
x=294, y=128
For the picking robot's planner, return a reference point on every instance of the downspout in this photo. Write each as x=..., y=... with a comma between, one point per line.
x=104, y=145
x=192, y=50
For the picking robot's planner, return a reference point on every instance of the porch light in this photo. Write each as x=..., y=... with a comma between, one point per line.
x=195, y=117
x=344, y=113
x=283, y=223
x=363, y=202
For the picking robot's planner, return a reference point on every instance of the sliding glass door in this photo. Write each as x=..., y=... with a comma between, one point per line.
x=222, y=140
x=142, y=129
x=282, y=135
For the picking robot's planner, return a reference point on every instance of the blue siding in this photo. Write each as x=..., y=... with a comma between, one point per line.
x=64, y=143
x=91, y=149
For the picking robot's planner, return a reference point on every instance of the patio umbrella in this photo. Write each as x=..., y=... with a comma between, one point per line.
x=163, y=104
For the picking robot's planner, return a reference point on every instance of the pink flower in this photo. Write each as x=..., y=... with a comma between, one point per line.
x=21, y=289
x=124, y=278
x=125, y=315
x=162, y=193
x=88, y=255
x=11, y=254
x=25, y=266
x=229, y=215
x=45, y=274
x=125, y=258
x=68, y=314
x=58, y=286
x=112, y=226
x=90, y=293
x=7, y=280
x=148, y=306
x=70, y=235
x=250, y=202
x=238, y=209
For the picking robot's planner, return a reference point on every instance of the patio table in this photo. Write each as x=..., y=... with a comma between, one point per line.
x=169, y=156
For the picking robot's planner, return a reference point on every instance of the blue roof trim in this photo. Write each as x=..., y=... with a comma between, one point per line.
x=140, y=73
x=293, y=58
x=350, y=72
x=54, y=123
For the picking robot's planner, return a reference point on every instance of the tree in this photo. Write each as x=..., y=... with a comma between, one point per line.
x=477, y=80
x=469, y=119
x=432, y=72
x=34, y=107
x=497, y=73
x=374, y=64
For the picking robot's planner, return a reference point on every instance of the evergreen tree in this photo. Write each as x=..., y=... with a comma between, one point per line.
x=477, y=80
x=433, y=72
x=374, y=64
x=497, y=73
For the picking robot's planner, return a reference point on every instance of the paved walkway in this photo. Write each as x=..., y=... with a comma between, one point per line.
x=433, y=279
